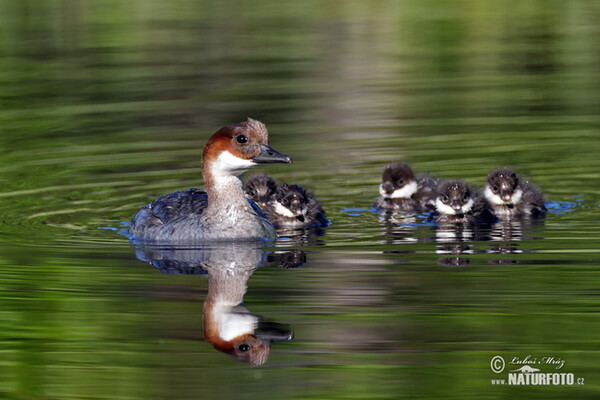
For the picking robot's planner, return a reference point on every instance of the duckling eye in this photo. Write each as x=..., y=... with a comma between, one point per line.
x=241, y=139
x=495, y=188
x=243, y=347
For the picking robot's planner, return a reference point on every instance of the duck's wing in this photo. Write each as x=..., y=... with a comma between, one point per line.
x=173, y=205
x=168, y=207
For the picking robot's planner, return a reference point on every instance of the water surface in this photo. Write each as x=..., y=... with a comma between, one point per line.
x=106, y=106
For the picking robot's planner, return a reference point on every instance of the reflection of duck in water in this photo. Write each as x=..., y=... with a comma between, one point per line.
x=222, y=212
x=400, y=190
x=227, y=323
x=229, y=326
x=285, y=206
x=510, y=197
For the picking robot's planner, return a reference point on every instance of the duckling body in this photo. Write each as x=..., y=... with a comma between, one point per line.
x=293, y=207
x=456, y=202
x=510, y=197
x=285, y=206
x=401, y=190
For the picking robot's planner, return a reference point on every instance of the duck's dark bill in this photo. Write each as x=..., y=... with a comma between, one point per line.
x=270, y=155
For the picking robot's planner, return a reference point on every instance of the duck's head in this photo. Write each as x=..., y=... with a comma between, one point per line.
x=398, y=182
x=236, y=148
x=259, y=188
x=503, y=187
x=454, y=198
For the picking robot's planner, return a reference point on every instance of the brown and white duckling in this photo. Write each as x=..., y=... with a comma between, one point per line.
x=259, y=188
x=293, y=207
x=400, y=190
x=457, y=203
x=510, y=197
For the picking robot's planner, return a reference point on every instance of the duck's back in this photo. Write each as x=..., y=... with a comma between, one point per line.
x=168, y=207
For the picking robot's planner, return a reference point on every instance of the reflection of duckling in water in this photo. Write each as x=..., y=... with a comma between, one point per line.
x=285, y=206
x=510, y=197
x=400, y=190
x=457, y=203
x=228, y=325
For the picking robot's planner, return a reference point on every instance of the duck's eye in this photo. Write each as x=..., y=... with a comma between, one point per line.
x=495, y=188
x=444, y=198
x=241, y=139
x=243, y=347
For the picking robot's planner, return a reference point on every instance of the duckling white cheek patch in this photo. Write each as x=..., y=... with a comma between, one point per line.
x=516, y=197
x=405, y=191
x=444, y=208
x=282, y=210
x=467, y=207
x=497, y=200
x=492, y=198
x=448, y=210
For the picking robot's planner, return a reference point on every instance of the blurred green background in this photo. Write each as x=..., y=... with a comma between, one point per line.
x=105, y=105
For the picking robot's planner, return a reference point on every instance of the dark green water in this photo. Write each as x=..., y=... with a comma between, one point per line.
x=106, y=105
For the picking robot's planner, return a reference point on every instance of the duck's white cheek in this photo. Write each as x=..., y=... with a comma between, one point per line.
x=229, y=164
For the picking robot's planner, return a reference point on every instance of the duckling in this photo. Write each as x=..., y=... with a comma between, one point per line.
x=293, y=207
x=510, y=197
x=259, y=188
x=400, y=190
x=457, y=203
